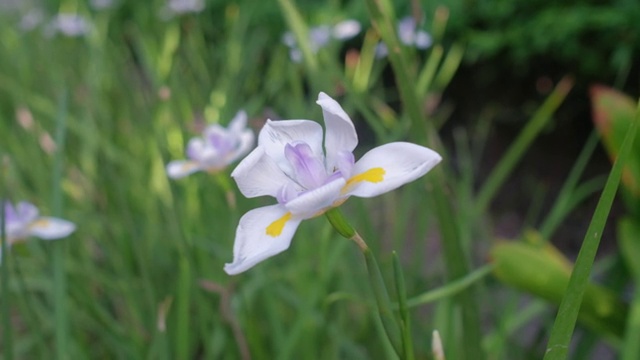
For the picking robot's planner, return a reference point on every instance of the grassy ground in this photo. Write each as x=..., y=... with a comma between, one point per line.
x=142, y=275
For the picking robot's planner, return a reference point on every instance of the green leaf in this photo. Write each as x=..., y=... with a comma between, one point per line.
x=540, y=269
x=576, y=295
x=629, y=242
x=613, y=113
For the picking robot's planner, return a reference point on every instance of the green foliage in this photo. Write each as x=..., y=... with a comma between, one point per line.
x=89, y=123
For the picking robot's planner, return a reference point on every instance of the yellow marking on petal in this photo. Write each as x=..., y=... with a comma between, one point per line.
x=40, y=223
x=275, y=228
x=374, y=175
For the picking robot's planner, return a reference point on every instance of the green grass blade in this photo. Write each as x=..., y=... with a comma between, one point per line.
x=59, y=247
x=401, y=291
x=5, y=296
x=451, y=289
x=558, y=345
x=515, y=152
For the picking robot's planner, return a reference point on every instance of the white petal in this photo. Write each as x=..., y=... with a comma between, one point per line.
x=49, y=228
x=246, y=140
x=340, y=134
x=423, y=40
x=276, y=134
x=180, y=168
x=258, y=175
x=400, y=163
x=238, y=123
x=316, y=201
x=346, y=29
x=253, y=244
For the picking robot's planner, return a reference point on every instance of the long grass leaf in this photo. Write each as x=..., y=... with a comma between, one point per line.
x=561, y=333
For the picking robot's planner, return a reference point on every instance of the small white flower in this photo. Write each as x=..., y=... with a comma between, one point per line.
x=409, y=35
x=307, y=179
x=216, y=149
x=24, y=220
x=71, y=25
x=31, y=19
x=102, y=4
x=179, y=7
x=320, y=36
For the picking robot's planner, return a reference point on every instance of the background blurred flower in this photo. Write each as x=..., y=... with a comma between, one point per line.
x=216, y=149
x=291, y=165
x=320, y=36
x=410, y=35
x=181, y=7
x=72, y=25
x=24, y=220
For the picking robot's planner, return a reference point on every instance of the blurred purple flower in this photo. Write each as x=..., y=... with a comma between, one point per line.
x=72, y=25
x=409, y=35
x=23, y=221
x=216, y=149
x=320, y=36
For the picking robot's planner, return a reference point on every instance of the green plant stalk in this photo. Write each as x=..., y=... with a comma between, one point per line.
x=387, y=316
x=628, y=230
x=456, y=262
x=183, y=299
x=560, y=207
x=300, y=31
x=558, y=345
x=515, y=152
x=407, y=341
x=59, y=247
x=7, y=329
x=451, y=288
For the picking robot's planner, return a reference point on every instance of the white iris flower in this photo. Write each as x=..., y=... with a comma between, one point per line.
x=216, y=149
x=307, y=179
x=24, y=220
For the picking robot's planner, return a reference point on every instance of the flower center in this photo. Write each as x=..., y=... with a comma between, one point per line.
x=309, y=171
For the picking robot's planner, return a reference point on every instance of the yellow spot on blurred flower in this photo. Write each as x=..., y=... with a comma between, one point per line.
x=275, y=229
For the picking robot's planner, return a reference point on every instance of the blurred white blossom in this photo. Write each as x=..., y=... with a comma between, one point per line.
x=215, y=149
x=24, y=220
x=409, y=35
x=320, y=36
x=72, y=25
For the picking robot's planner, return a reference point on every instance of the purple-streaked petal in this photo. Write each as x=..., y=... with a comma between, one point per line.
x=262, y=233
x=308, y=168
x=49, y=228
x=180, y=168
x=340, y=134
x=276, y=134
x=313, y=202
x=258, y=175
x=388, y=167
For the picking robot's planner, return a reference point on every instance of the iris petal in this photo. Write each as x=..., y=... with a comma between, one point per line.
x=400, y=162
x=340, y=134
x=258, y=175
x=49, y=228
x=253, y=244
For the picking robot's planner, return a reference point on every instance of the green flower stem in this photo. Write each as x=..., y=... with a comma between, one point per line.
x=59, y=247
x=457, y=265
x=7, y=334
x=407, y=341
x=389, y=320
x=558, y=345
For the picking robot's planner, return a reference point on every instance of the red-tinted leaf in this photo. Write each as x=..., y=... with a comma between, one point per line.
x=613, y=113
